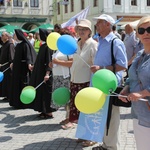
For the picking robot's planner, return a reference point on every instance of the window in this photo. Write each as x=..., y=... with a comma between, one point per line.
x=95, y=3
x=148, y=2
x=117, y=2
x=72, y=5
x=2, y=3
x=17, y=3
x=66, y=8
x=34, y=3
x=82, y=4
x=134, y=2
x=58, y=8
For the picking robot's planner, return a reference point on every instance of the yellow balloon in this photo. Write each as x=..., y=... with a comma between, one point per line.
x=52, y=40
x=90, y=100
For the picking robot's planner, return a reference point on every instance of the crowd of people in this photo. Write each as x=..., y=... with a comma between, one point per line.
x=27, y=60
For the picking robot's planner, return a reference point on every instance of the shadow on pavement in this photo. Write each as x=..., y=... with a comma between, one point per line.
x=32, y=129
x=56, y=144
x=5, y=138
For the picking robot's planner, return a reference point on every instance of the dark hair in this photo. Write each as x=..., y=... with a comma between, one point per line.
x=113, y=27
x=57, y=26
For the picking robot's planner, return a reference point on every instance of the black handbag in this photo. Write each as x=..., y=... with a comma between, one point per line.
x=115, y=100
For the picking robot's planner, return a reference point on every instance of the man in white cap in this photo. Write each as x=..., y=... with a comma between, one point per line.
x=103, y=60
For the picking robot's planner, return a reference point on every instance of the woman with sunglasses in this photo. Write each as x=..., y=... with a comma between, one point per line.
x=137, y=87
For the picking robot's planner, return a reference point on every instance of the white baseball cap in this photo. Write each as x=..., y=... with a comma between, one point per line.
x=106, y=18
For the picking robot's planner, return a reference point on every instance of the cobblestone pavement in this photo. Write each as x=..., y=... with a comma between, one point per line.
x=23, y=130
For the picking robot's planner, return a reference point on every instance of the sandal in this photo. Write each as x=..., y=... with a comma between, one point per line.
x=63, y=122
x=68, y=126
x=88, y=143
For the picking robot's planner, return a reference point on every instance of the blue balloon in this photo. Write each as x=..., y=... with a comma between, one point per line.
x=1, y=76
x=67, y=44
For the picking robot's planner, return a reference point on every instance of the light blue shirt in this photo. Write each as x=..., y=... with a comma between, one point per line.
x=103, y=55
x=139, y=79
x=130, y=42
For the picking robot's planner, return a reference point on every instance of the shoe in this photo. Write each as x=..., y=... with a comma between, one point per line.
x=80, y=140
x=99, y=148
x=45, y=116
x=68, y=126
x=49, y=116
x=88, y=143
x=41, y=114
x=63, y=122
x=53, y=109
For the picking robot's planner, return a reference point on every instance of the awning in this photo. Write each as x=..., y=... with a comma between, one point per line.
x=47, y=26
x=10, y=29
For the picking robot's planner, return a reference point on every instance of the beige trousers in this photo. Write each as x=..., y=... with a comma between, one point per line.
x=111, y=141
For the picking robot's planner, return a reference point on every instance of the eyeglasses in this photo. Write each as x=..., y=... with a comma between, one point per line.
x=142, y=30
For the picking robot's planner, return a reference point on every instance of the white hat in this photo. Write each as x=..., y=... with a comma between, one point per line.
x=84, y=23
x=106, y=18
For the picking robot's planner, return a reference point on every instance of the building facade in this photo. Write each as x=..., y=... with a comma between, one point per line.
x=27, y=14
x=130, y=10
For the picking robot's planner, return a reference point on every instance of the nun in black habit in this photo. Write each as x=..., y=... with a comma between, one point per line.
x=42, y=72
x=6, y=56
x=22, y=66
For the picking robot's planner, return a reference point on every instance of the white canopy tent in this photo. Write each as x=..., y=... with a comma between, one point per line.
x=133, y=24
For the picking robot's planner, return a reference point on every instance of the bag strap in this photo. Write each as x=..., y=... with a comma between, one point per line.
x=110, y=101
x=112, y=55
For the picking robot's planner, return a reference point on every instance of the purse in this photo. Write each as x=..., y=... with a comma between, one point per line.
x=115, y=100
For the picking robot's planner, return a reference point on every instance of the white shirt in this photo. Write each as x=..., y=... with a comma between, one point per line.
x=80, y=71
x=59, y=70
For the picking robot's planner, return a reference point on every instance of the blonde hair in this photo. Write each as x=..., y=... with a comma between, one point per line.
x=143, y=20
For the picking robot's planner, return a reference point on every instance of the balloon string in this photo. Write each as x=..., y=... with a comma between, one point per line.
x=84, y=61
x=116, y=94
x=4, y=64
x=6, y=69
x=39, y=85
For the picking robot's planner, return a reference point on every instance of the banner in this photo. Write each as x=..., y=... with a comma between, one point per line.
x=92, y=127
x=79, y=16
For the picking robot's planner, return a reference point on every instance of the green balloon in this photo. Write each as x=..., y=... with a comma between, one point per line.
x=27, y=95
x=61, y=96
x=105, y=80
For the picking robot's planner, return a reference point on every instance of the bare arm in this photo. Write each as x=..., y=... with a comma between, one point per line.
x=66, y=63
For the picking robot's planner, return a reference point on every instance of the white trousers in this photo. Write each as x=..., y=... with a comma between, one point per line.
x=111, y=141
x=142, y=136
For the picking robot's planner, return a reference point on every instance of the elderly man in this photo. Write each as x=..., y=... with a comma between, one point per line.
x=102, y=60
x=130, y=42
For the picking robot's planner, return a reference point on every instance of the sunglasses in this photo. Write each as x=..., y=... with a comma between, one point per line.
x=142, y=30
